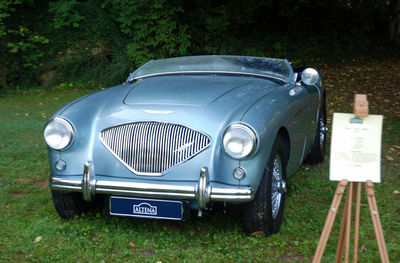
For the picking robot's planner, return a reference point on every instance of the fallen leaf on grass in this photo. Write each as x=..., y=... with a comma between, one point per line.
x=362, y=248
x=37, y=239
x=132, y=245
x=396, y=192
x=396, y=146
x=257, y=234
x=389, y=158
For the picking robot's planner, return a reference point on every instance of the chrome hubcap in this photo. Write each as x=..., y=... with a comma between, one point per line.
x=278, y=186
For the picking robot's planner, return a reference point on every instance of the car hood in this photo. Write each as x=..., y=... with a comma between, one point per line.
x=193, y=90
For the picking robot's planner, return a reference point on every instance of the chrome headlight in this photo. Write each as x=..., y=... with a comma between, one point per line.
x=58, y=134
x=239, y=141
x=309, y=76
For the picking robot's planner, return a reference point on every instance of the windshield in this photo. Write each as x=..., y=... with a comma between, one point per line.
x=264, y=67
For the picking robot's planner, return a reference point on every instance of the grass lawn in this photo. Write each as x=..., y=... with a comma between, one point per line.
x=27, y=212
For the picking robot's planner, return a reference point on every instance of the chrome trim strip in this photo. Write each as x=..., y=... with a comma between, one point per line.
x=106, y=184
x=232, y=197
x=65, y=181
x=64, y=187
x=158, y=112
x=208, y=72
x=232, y=191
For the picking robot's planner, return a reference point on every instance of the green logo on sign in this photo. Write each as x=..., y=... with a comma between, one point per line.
x=356, y=120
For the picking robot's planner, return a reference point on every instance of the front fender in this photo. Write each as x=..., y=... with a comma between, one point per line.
x=267, y=117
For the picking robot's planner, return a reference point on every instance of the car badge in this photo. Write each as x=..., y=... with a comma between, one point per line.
x=158, y=112
x=145, y=209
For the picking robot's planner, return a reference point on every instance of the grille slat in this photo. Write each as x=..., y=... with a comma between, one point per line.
x=152, y=148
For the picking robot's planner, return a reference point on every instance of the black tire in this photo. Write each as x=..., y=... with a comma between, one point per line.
x=69, y=205
x=317, y=153
x=265, y=212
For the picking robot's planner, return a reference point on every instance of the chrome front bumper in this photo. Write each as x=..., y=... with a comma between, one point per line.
x=202, y=191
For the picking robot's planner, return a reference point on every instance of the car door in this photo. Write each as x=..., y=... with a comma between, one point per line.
x=312, y=107
x=302, y=105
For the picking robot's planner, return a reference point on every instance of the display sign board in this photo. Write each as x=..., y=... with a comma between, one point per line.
x=356, y=148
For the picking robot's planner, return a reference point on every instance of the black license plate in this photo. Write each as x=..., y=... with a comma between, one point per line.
x=147, y=208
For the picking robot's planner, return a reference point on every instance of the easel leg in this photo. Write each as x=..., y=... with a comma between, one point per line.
x=348, y=222
x=373, y=208
x=343, y=226
x=329, y=221
x=357, y=223
x=344, y=237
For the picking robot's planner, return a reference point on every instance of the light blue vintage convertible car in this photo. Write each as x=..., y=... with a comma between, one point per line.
x=187, y=133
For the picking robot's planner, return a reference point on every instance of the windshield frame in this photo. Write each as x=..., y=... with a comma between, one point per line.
x=178, y=65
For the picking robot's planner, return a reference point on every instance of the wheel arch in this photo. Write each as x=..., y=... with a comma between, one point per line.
x=284, y=134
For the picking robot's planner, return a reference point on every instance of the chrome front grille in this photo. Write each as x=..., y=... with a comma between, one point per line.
x=152, y=148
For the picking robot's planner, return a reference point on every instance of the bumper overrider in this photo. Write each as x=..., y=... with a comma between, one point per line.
x=203, y=191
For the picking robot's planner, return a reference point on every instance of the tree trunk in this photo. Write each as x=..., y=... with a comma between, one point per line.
x=394, y=26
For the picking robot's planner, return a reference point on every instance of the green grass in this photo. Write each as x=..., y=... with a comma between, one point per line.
x=26, y=208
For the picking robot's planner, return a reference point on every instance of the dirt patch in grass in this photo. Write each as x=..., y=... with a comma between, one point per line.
x=296, y=258
x=180, y=227
x=42, y=185
x=23, y=180
x=147, y=252
x=15, y=195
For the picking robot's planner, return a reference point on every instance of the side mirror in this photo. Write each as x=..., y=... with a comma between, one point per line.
x=309, y=76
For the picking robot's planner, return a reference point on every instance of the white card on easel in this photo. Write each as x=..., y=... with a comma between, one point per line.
x=356, y=148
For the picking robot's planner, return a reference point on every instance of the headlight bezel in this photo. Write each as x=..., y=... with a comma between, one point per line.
x=252, y=137
x=69, y=129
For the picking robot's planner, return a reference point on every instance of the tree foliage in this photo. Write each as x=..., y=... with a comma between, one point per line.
x=152, y=27
x=22, y=47
x=100, y=41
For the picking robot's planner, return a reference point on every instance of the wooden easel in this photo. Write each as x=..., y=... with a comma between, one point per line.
x=360, y=110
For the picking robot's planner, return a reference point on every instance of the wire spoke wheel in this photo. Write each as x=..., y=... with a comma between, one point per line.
x=323, y=130
x=278, y=186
